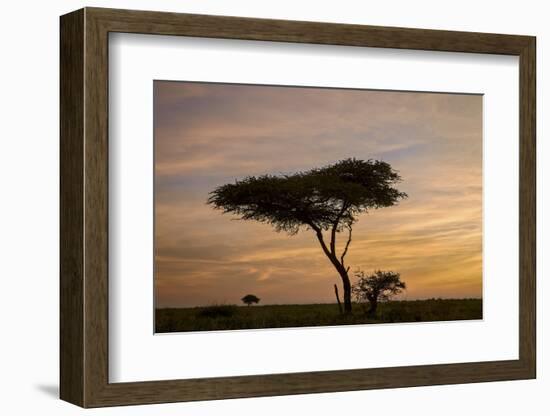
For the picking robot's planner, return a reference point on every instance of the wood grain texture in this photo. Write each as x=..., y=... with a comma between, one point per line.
x=96, y=266
x=84, y=207
x=527, y=208
x=225, y=27
x=71, y=205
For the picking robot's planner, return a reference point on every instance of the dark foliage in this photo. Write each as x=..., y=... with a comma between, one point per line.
x=285, y=316
x=215, y=311
x=376, y=287
x=250, y=299
x=318, y=198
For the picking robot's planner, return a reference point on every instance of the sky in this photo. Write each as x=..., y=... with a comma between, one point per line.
x=209, y=134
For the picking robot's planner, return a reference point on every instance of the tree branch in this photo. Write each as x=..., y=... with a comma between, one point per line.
x=324, y=246
x=331, y=256
x=347, y=246
x=313, y=226
x=335, y=227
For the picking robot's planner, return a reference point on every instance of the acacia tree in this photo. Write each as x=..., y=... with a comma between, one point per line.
x=376, y=287
x=250, y=299
x=326, y=200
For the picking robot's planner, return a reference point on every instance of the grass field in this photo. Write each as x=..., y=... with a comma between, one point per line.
x=226, y=317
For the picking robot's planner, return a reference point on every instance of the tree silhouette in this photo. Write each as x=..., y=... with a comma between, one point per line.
x=376, y=287
x=325, y=200
x=250, y=299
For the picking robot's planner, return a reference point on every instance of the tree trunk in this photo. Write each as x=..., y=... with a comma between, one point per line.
x=338, y=265
x=347, y=289
x=373, y=304
x=337, y=298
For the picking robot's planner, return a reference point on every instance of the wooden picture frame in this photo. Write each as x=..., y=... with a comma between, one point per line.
x=84, y=207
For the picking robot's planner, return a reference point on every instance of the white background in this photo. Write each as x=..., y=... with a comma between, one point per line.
x=29, y=217
x=136, y=355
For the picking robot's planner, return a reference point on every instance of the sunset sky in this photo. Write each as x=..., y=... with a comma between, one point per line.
x=207, y=135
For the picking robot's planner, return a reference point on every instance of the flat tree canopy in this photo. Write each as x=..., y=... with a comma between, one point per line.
x=317, y=198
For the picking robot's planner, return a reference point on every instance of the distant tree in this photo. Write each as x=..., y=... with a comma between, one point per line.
x=250, y=299
x=376, y=287
x=327, y=199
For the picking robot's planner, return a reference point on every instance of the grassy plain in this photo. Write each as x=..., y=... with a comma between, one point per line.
x=227, y=317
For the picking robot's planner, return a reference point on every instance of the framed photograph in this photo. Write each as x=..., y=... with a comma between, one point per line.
x=254, y=207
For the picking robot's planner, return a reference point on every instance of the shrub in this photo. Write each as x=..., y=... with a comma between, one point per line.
x=379, y=286
x=217, y=311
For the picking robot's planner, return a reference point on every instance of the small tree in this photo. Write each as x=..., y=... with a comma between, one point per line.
x=326, y=200
x=376, y=287
x=250, y=299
